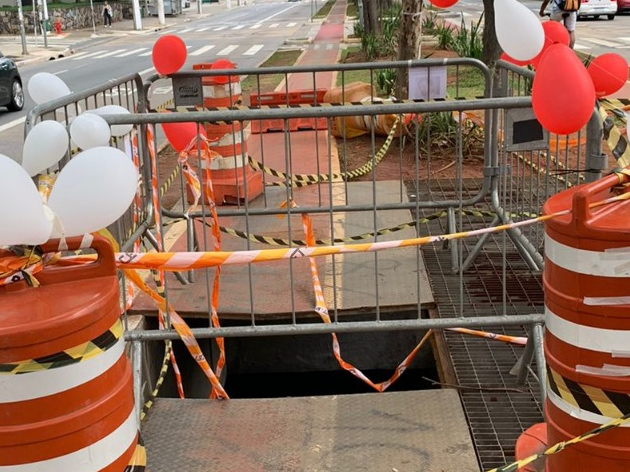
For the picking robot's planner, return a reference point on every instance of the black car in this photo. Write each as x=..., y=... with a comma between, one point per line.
x=11, y=92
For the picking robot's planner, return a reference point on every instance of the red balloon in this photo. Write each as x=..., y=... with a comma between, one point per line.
x=181, y=135
x=555, y=32
x=169, y=54
x=443, y=3
x=563, y=95
x=609, y=73
x=223, y=64
x=508, y=58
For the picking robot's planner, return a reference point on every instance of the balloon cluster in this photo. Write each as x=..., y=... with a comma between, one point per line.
x=564, y=90
x=92, y=191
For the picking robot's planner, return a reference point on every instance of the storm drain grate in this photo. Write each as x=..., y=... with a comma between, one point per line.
x=498, y=282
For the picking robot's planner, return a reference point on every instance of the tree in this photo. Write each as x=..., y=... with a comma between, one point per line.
x=491, y=49
x=410, y=39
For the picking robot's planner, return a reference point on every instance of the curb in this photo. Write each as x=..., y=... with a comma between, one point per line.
x=51, y=56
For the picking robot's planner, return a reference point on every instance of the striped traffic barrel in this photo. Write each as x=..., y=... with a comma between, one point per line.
x=587, y=318
x=66, y=394
x=233, y=180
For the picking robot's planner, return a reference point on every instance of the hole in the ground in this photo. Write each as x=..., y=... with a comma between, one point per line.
x=287, y=366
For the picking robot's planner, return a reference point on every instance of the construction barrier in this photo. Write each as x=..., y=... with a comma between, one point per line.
x=233, y=181
x=293, y=98
x=66, y=393
x=586, y=277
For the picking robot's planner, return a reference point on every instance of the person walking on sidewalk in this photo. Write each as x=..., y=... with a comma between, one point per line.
x=560, y=14
x=107, y=15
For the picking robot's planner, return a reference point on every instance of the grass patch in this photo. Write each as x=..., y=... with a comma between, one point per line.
x=352, y=10
x=325, y=10
x=268, y=82
x=469, y=83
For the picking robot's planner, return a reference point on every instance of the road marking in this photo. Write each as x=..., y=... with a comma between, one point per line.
x=147, y=71
x=275, y=25
x=86, y=56
x=580, y=46
x=145, y=54
x=200, y=30
x=256, y=26
x=601, y=42
x=77, y=55
x=220, y=28
x=11, y=124
x=253, y=50
x=227, y=50
x=238, y=27
x=110, y=53
x=133, y=51
x=200, y=51
x=291, y=24
x=187, y=30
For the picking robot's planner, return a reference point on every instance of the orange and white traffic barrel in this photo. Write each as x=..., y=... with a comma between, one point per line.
x=587, y=340
x=66, y=394
x=233, y=180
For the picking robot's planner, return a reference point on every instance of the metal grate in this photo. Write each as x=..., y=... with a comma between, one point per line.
x=498, y=282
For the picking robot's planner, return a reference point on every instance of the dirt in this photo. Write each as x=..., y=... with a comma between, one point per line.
x=355, y=152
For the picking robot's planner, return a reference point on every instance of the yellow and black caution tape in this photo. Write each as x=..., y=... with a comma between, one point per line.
x=602, y=402
x=74, y=355
x=617, y=143
x=274, y=241
x=168, y=345
x=300, y=180
x=514, y=466
x=138, y=461
x=167, y=183
x=588, y=398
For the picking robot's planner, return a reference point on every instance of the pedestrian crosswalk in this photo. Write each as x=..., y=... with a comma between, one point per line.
x=212, y=49
x=234, y=27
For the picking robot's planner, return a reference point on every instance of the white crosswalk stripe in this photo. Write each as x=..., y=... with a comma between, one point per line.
x=253, y=50
x=227, y=50
x=92, y=54
x=110, y=53
x=220, y=28
x=238, y=27
x=256, y=26
x=200, y=51
x=129, y=53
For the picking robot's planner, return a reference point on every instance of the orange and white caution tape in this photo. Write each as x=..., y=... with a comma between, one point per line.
x=184, y=332
x=322, y=310
x=158, y=275
x=497, y=337
x=178, y=261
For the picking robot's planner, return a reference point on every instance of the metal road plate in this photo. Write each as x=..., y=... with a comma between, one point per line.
x=398, y=431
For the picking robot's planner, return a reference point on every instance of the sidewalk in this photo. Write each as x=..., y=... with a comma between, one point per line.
x=64, y=44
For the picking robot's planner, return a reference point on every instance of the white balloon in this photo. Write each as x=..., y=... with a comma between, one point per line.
x=44, y=87
x=89, y=130
x=22, y=216
x=117, y=130
x=93, y=190
x=519, y=31
x=44, y=146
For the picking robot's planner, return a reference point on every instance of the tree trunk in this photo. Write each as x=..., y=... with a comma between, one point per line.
x=410, y=39
x=371, y=24
x=491, y=49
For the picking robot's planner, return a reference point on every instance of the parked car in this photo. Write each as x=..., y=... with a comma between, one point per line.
x=623, y=5
x=597, y=8
x=594, y=8
x=11, y=92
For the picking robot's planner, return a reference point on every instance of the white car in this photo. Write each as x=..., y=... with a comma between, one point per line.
x=594, y=8
x=597, y=8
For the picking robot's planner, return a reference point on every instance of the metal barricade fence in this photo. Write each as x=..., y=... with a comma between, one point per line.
x=363, y=292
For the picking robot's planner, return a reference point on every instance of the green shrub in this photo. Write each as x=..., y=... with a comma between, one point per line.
x=468, y=42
